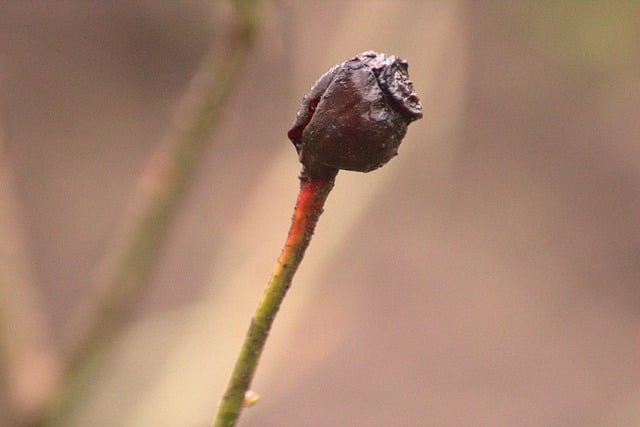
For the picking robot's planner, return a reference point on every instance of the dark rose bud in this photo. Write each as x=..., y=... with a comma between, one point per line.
x=356, y=114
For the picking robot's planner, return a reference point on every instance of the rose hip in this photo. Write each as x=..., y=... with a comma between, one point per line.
x=355, y=116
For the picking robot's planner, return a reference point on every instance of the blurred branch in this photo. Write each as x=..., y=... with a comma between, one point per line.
x=28, y=362
x=125, y=272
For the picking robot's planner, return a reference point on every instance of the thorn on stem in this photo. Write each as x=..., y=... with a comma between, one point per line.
x=250, y=398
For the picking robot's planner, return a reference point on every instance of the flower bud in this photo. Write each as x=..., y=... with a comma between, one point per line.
x=355, y=116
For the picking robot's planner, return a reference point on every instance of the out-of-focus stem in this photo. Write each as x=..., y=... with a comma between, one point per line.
x=28, y=361
x=124, y=274
x=309, y=206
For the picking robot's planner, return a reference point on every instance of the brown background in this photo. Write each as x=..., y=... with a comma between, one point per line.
x=488, y=276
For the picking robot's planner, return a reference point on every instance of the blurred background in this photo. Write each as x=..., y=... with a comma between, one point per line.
x=489, y=275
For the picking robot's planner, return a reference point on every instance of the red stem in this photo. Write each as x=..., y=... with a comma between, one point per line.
x=309, y=205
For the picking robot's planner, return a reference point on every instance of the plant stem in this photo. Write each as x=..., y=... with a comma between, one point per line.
x=309, y=205
x=130, y=259
x=133, y=254
x=25, y=338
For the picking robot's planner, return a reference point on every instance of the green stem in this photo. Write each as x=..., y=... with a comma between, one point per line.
x=130, y=259
x=309, y=205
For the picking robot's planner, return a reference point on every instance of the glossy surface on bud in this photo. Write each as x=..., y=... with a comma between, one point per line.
x=356, y=114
